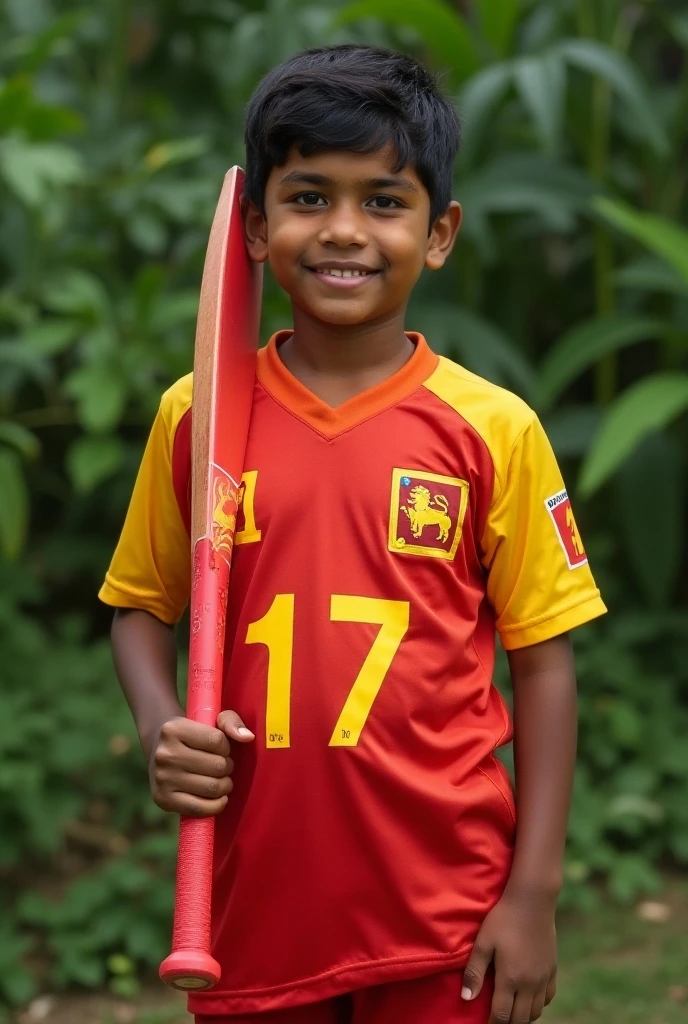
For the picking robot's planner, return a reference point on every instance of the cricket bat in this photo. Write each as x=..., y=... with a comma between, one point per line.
x=224, y=371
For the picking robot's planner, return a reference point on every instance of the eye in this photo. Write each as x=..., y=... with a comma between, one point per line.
x=386, y=203
x=308, y=199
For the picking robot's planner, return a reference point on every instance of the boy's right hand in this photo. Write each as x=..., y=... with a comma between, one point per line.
x=190, y=767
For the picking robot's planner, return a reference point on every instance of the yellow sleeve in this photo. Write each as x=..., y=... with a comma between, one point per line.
x=539, y=581
x=150, y=568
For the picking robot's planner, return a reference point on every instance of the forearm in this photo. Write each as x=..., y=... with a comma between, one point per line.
x=145, y=656
x=545, y=732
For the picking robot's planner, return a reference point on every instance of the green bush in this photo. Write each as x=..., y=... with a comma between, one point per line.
x=569, y=285
x=87, y=856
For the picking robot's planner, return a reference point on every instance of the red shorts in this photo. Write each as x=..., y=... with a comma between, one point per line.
x=435, y=998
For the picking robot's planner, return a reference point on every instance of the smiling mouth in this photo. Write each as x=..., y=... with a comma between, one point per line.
x=338, y=278
x=339, y=272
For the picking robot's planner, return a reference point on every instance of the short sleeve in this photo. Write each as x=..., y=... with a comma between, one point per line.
x=150, y=569
x=539, y=581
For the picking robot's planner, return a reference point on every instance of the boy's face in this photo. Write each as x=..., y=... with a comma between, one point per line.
x=351, y=214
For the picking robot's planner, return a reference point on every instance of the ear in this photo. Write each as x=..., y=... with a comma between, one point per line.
x=443, y=235
x=256, y=232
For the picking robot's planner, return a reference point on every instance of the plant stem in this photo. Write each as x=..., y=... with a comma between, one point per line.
x=606, y=370
x=672, y=195
x=116, y=69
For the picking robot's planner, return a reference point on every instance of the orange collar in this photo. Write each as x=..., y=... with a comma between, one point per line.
x=302, y=403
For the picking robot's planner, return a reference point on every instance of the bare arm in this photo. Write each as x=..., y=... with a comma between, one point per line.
x=145, y=656
x=545, y=733
x=188, y=763
x=519, y=934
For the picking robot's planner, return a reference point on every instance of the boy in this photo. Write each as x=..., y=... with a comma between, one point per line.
x=396, y=510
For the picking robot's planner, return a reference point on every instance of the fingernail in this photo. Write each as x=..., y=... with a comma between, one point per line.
x=466, y=993
x=243, y=731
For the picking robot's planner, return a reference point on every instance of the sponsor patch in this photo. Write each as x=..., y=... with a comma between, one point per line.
x=561, y=513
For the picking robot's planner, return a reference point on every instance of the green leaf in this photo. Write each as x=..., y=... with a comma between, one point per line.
x=147, y=232
x=176, y=151
x=443, y=31
x=478, y=343
x=20, y=112
x=645, y=407
x=19, y=986
x=144, y=939
x=62, y=30
x=571, y=430
x=678, y=24
x=489, y=352
x=86, y=970
x=14, y=505
x=100, y=393
x=170, y=311
x=498, y=21
x=125, y=987
x=528, y=184
x=477, y=103
x=72, y=290
x=16, y=101
x=50, y=337
x=28, y=16
x=652, y=275
x=90, y=460
x=22, y=440
x=585, y=344
x=662, y=236
x=623, y=76
x=119, y=963
x=649, y=495
x=16, y=356
x=541, y=82
x=31, y=170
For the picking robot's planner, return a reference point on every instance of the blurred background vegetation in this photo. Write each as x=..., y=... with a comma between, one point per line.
x=569, y=286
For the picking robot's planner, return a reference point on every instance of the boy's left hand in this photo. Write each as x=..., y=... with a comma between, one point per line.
x=519, y=935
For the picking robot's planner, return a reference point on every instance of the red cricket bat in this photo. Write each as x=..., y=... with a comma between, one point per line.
x=224, y=369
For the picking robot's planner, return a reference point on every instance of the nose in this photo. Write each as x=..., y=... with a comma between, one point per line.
x=344, y=226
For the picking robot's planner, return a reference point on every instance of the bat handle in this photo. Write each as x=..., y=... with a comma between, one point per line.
x=190, y=965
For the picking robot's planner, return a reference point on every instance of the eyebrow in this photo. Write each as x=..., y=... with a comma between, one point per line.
x=311, y=178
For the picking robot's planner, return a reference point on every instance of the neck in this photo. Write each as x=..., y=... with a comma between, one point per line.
x=346, y=350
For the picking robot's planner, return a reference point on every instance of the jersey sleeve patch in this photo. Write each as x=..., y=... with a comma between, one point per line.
x=561, y=514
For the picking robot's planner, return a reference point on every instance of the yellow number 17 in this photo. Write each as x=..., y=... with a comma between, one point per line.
x=276, y=631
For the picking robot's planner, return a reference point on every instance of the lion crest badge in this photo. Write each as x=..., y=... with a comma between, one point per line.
x=426, y=513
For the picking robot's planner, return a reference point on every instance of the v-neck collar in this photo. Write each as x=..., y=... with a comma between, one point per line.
x=286, y=389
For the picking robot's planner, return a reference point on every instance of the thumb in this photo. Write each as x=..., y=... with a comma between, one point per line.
x=476, y=969
x=232, y=726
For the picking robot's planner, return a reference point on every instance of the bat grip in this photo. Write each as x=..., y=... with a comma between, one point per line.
x=194, y=884
x=190, y=965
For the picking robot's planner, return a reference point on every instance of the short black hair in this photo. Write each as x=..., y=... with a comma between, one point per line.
x=355, y=98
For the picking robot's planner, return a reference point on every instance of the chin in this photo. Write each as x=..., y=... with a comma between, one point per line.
x=346, y=317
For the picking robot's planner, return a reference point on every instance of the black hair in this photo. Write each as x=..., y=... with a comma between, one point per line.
x=355, y=98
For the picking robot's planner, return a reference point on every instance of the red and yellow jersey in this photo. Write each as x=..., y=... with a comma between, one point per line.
x=379, y=546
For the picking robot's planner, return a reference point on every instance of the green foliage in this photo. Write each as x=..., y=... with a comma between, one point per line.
x=73, y=805
x=569, y=284
x=629, y=811
x=445, y=34
x=667, y=239
x=647, y=406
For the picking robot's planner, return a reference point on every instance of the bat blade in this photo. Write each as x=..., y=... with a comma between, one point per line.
x=224, y=373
